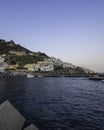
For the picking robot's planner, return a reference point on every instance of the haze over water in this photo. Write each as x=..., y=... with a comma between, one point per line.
x=71, y=30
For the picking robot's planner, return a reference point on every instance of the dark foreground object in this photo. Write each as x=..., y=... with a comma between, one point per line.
x=11, y=119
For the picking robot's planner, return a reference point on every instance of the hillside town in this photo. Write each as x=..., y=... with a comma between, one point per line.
x=47, y=65
x=16, y=59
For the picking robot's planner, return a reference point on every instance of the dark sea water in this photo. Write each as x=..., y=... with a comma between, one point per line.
x=57, y=103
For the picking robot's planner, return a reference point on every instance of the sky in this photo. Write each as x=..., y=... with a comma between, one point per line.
x=72, y=30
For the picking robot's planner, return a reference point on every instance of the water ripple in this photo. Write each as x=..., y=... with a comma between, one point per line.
x=57, y=103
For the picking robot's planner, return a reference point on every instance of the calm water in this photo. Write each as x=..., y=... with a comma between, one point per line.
x=57, y=103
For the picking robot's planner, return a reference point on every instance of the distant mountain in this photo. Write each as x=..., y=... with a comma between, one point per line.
x=15, y=53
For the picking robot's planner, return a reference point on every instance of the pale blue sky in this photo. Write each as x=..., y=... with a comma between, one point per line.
x=71, y=30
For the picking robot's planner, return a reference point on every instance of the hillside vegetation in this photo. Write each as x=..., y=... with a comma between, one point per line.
x=14, y=53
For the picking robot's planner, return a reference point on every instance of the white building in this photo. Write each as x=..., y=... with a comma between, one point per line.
x=3, y=66
x=46, y=65
x=50, y=67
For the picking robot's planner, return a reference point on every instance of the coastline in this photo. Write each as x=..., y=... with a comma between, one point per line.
x=43, y=74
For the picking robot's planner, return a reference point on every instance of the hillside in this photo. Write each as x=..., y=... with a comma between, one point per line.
x=16, y=53
x=20, y=58
x=5, y=47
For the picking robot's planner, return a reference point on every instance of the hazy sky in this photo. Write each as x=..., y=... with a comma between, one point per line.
x=72, y=30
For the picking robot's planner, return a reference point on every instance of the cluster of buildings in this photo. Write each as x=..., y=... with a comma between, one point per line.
x=39, y=66
x=48, y=65
x=42, y=66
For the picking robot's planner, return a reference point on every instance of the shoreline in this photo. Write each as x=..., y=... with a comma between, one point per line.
x=43, y=74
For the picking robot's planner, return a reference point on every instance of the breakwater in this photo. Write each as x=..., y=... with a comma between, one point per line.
x=11, y=119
